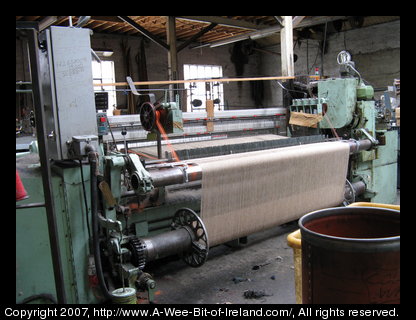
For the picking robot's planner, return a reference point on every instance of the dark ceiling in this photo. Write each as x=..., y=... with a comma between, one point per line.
x=197, y=31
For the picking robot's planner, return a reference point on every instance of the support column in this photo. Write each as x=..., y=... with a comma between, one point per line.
x=286, y=45
x=172, y=56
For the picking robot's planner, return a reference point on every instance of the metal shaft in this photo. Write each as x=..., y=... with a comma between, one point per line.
x=159, y=145
x=358, y=187
x=168, y=243
x=359, y=145
x=175, y=175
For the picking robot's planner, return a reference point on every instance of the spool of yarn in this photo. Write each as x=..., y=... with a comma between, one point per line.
x=124, y=296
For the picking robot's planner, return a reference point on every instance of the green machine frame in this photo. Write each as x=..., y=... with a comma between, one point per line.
x=347, y=106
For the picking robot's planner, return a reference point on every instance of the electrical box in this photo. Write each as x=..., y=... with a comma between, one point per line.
x=102, y=123
x=79, y=144
x=101, y=100
x=67, y=87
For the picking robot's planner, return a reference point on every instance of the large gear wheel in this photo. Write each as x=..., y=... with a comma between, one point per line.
x=137, y=248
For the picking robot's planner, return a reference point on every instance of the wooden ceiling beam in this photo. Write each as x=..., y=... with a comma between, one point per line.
x=144, y=32
x=107, y=19
x=300, y=21
x=196, y=36
x=241, y=24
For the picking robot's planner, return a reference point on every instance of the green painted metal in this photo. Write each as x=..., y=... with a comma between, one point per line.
x=74, y=236
x=114, y=165
x=34, y=271
x=365, y=92
x=341, y=95
x=380, y=173
x=378, y=166
x=174, y=124
x=311, y=105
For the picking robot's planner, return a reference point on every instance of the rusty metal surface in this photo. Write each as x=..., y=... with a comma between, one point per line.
x=351, y=255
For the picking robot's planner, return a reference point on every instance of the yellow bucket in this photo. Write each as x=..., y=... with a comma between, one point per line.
x=377, y=205
x=294, y=241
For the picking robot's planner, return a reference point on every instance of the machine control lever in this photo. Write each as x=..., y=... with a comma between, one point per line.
x=110, y=224
x=369, y=136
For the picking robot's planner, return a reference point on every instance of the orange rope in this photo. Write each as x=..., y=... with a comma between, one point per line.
x=165, y=136
x=143, y=155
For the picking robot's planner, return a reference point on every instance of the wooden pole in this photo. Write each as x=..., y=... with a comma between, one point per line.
x=209, y=106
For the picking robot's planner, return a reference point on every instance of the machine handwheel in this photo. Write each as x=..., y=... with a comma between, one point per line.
x=198, y=254
x=148, y=116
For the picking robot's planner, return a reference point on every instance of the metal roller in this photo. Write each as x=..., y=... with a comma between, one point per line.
x=176, y=174
x=164, y=176
x=188, y=239
x=359, y=145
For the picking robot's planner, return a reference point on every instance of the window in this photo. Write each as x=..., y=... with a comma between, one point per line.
x=104, y=73
x=199, y=92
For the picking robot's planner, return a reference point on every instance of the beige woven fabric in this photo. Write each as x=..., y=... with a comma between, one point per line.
x=248, y=192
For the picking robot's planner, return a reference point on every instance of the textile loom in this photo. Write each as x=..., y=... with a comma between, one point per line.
x=124, y=195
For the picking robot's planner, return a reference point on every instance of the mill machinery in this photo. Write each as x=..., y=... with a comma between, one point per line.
x=345, y=108
x=115, y=206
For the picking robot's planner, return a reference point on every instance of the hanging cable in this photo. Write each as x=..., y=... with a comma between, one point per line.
x=112, y=136
x=85, y=198
x=93, y=160
x=316, y=58
x=284, y=88
x=323, y=50
x=307, y=56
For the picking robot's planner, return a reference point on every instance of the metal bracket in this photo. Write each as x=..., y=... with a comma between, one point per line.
x=184, y=169
x=146, y=282
x=369, y=136
x=110, y=224
x=141, y=180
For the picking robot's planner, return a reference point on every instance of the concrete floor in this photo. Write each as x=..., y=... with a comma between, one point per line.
x=213, y=283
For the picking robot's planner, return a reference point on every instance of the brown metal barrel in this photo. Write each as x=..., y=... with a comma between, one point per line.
x=351, y=255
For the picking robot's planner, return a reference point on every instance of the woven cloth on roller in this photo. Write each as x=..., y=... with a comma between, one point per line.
x=249, y=192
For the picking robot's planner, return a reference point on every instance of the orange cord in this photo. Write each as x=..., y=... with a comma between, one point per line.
x=143, y=155
x=165, y=136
